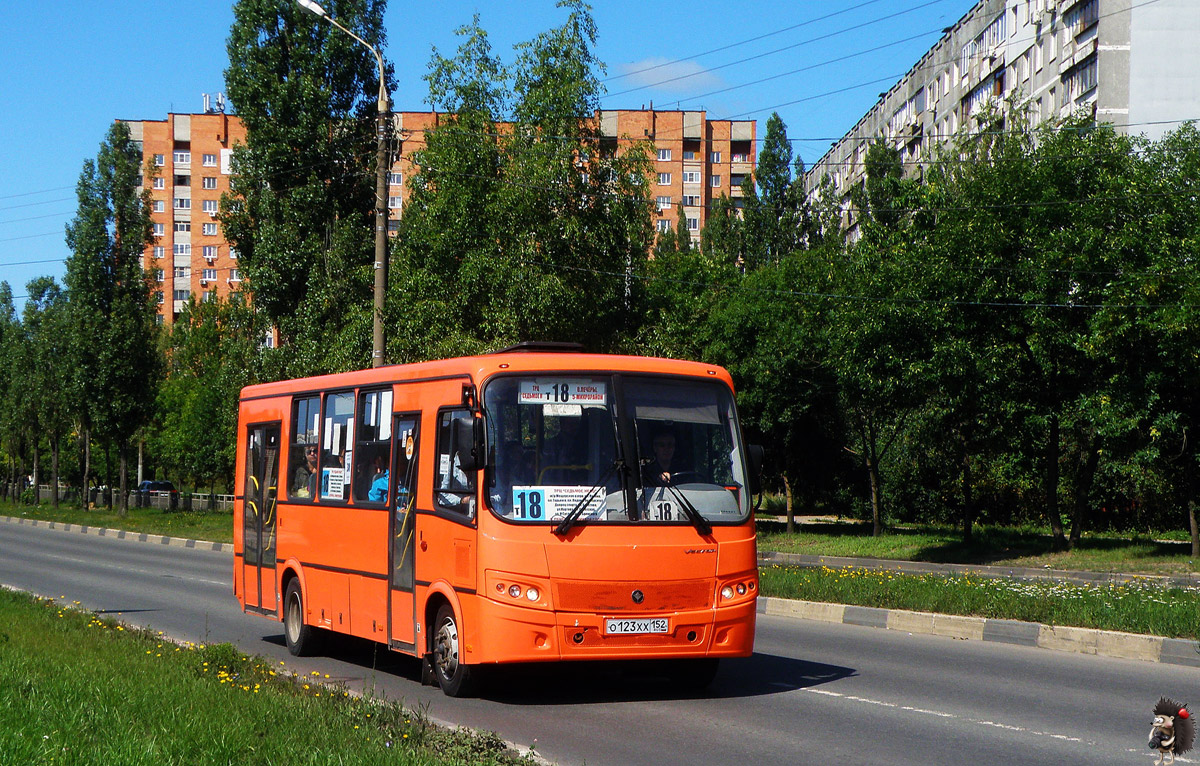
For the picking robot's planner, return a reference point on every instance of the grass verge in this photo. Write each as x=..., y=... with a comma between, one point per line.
x=999, y=546
x=1127, y=607
x=214, y=526
x=78, y=689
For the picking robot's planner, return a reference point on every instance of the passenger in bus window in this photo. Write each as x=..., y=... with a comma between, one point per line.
x=305, y=479
x=379, y=482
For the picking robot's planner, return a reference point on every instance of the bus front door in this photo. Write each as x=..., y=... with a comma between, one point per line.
x=403, y=513
x=258, y=566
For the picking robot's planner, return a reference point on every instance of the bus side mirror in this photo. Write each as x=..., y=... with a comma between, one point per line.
x=755, y=453
x=468, y=443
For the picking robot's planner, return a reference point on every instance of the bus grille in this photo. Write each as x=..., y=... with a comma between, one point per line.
x=609, y=597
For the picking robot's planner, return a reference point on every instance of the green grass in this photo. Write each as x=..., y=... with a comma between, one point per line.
x=1131, y=608
x=991, y=545
x=214, y=526
x=77, y=689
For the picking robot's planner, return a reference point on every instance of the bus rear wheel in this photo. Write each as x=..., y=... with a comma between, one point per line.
x=455, y=678
x=302, y=639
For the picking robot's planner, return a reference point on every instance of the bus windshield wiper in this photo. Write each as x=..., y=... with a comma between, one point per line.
x=569, y=520
x=698, y=521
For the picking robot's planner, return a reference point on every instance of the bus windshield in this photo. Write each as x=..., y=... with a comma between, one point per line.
x=580, y=446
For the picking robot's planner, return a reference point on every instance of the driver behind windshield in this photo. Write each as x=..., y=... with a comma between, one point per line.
x=664, y=468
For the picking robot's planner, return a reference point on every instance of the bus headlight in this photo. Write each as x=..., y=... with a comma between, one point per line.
x=532, y=593
x=727, y=592
x=514, y=591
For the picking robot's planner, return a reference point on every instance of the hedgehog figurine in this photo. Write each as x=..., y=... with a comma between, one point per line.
x=1172, y=732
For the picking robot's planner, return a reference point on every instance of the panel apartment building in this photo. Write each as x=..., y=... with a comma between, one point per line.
x=1132, y=63
x=696, y=161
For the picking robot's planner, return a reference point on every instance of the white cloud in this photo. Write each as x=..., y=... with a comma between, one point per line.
x=679, y=77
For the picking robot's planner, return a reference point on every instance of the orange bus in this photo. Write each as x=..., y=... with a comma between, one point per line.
x=535, y=504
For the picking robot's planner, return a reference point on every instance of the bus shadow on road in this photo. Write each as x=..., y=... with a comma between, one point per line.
x=586, y=683
x=567, y=683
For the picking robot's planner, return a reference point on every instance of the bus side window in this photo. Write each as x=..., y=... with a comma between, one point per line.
x=455, y=487
x=373, y=446
x=337, y=446
x=302, y=450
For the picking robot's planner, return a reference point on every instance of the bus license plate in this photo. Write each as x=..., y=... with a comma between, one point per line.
x=633, y=627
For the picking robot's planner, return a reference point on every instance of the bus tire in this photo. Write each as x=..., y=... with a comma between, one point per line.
x=302, y=639
x=455, y=678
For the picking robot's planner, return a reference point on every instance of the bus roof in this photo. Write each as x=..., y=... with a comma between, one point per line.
x=477, y=368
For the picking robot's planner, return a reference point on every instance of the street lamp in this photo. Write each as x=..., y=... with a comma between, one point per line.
x=381, y=169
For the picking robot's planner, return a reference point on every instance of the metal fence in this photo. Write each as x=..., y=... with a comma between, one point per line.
x=104, y=497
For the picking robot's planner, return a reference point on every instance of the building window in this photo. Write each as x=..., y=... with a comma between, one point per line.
x=158, y=206
x=209, y=160
x=160, y=183
x=739, y=157
x=183, y=272
x=736, y=179
x=664, y=179
x=714, y=157
x=210, y=252
x=210, y=206
x=1082, y=79
x=693, y=224
x=688, y=154
x=183, y=295
x=664, y=155
x=396, y=179
x=159, y=250
x=207, y=296
x=208, y=229
x=691, y=176
x=158, y=298
x=393, y=225
x=182, y=249
x=159, y=275
x=664, y=203
x=183, y=203
x=208, y=182
x=691, y=200
x=394, y=201
x=160, y=160
x=183, y=226
x=208, y=275
x=160, y=229
x=233, y=254
x=183, y=158
x=714, y=181
x=663, y=225
x=235, y=275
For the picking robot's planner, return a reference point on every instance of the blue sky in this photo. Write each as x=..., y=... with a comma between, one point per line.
x=71, y=67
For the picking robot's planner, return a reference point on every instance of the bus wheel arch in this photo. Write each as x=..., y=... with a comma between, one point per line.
x=445, y=638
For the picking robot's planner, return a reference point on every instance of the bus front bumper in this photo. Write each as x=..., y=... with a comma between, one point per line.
x=518, y=634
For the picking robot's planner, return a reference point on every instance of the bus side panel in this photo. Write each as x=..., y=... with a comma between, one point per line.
x=368, y=602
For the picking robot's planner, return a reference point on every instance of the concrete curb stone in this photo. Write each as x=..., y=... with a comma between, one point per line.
x=122, y=534
x=1079, y=640
x=1105, y=643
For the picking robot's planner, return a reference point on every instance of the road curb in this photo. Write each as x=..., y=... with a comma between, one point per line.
x=121, y=534
x=1104, y=643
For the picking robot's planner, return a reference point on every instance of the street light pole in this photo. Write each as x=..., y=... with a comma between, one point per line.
x=381, y=188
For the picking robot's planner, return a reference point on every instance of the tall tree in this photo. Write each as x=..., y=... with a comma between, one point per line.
x=116, y=363
x=301, y=193
x=47, y=331
x=530, y=232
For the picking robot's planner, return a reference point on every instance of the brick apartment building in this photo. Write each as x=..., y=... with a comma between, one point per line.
x=696, y=161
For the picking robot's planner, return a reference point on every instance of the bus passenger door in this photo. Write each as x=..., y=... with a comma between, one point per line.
x=262, y=470
x=403, y=514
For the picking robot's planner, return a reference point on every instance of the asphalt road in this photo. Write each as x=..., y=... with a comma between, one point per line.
x=812, y=693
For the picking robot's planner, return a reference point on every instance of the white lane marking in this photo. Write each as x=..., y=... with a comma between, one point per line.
x=941, y=714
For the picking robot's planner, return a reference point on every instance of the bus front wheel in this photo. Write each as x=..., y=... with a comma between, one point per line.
x=455, y=678
x=301, y=638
